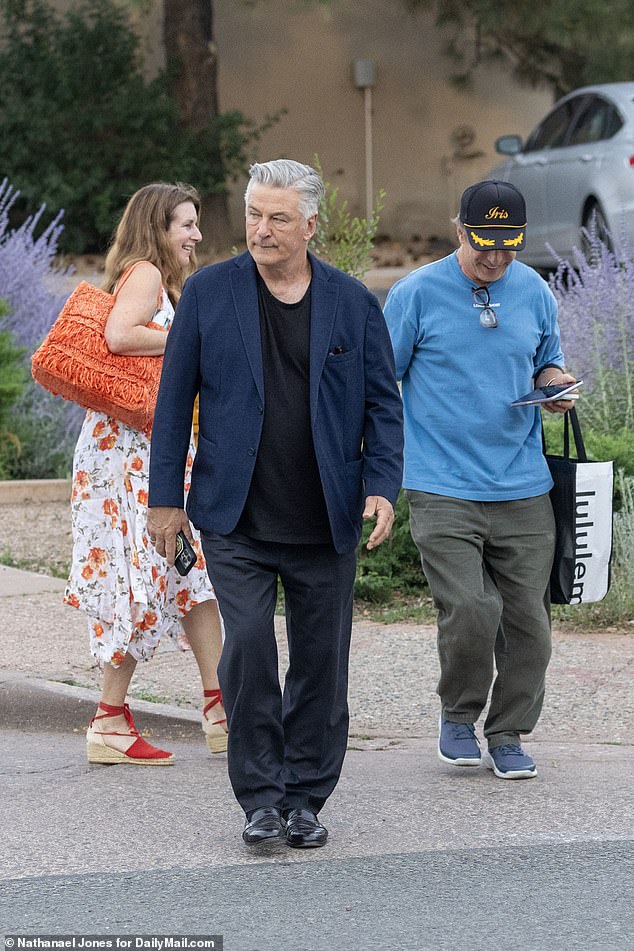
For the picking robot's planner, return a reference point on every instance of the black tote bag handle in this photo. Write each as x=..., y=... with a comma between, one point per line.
x=571, y=418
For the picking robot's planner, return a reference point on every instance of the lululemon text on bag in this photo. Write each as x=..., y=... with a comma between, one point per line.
x=582, y=504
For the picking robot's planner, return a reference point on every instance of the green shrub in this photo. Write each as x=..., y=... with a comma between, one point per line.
x=616, y=444
x=12, y=383
x=394, y=567
x=46, y=440
x=80, y=127
x=342, y=239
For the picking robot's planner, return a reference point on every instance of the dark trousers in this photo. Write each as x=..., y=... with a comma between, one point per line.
x=286, y=748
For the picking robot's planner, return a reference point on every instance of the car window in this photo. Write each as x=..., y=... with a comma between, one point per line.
x=552, y=132
x=599, y=120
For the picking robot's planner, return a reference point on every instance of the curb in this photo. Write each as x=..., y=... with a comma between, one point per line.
x=31, y=704
x=14, y=581
x=34, y=490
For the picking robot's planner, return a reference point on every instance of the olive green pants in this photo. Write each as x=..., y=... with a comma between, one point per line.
x=488, y=566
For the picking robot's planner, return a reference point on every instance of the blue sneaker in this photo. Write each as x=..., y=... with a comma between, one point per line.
x=510, y=762
x=457, y=743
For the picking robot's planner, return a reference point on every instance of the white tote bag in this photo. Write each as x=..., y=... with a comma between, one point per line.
x=582, y=502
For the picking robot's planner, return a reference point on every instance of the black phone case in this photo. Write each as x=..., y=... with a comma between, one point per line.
x=185, y=554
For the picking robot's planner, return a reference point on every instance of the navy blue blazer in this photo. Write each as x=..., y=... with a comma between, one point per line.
x=214, y=348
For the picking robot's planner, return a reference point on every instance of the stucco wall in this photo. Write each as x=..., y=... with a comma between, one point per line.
x=298, y=55
x=285, y=53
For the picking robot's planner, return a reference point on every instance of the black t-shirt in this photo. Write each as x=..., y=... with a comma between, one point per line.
x=286, y=500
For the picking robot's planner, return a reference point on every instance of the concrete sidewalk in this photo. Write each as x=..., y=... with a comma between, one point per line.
x=422, y=855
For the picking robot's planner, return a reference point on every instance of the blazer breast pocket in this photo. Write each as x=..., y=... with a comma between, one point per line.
x=337, y=357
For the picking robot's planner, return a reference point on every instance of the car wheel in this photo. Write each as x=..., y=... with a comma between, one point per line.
x=594, y=231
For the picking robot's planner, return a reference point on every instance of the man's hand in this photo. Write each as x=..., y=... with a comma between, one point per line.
x=376, y=505
x=552, y=376
x=164, y=524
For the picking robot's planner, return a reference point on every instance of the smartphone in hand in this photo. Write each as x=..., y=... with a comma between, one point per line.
x=185, y=554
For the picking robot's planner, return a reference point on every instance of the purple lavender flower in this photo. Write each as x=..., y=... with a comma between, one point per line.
x=595, y=293
x=35, y=290
x=31, y=284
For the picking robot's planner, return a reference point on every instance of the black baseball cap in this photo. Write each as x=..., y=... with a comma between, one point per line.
x=494, y=216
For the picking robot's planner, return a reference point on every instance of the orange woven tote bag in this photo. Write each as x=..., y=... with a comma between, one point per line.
x=74, y=361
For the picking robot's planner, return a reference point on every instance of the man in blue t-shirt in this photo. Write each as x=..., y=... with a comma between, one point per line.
x=471, y=333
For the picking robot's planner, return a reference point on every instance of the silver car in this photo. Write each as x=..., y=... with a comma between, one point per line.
x=576, y=166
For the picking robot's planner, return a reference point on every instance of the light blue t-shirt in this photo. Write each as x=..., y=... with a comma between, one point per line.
x=462, y=437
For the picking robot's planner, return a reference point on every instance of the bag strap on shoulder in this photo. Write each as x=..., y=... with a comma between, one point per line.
x=126, y=274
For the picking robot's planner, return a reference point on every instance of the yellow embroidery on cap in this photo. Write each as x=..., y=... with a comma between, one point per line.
x=483, y=242
x=496, y=212
x=513, y=242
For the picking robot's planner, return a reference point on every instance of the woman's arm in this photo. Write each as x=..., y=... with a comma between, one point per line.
x=126, y=331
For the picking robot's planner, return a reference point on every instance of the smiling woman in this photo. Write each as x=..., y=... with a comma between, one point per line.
x=130, y=594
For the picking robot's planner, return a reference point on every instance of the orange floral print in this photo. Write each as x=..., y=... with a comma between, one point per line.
x=82, y=479
x=81, y=483
x=131, y=597
x=96, y=557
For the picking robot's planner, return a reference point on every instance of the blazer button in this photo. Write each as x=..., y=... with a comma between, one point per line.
x=251, y=451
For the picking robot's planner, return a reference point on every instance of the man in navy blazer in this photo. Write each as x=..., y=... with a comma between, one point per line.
x=300, y=438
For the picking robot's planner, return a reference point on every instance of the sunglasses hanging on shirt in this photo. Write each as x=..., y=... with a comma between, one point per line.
x=482, y=299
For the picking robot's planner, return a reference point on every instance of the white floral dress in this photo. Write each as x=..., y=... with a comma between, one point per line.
x=128, y=592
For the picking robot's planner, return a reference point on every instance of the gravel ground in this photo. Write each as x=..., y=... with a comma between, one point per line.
x=36, y=536
x=393, y=667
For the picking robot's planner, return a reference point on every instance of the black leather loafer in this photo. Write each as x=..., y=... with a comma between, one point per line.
x=304, y=830
x=265, y=824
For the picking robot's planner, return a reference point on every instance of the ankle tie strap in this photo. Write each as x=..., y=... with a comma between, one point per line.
x=110, y=710
x=215, y=698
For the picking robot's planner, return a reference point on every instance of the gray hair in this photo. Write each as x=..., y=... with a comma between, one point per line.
x=284, y=173
x=459, y=226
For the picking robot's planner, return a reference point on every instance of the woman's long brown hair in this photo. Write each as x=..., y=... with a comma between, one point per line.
x=141, y=235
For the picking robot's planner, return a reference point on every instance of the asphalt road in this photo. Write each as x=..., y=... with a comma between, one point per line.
x=422, y=856
x=561, y=897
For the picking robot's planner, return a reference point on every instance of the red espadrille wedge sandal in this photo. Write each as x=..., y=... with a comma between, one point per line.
x=140, y=752
x=214, y=730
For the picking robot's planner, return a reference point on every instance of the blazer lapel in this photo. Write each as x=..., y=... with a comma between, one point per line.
x=245, y=300
x=323, y=310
